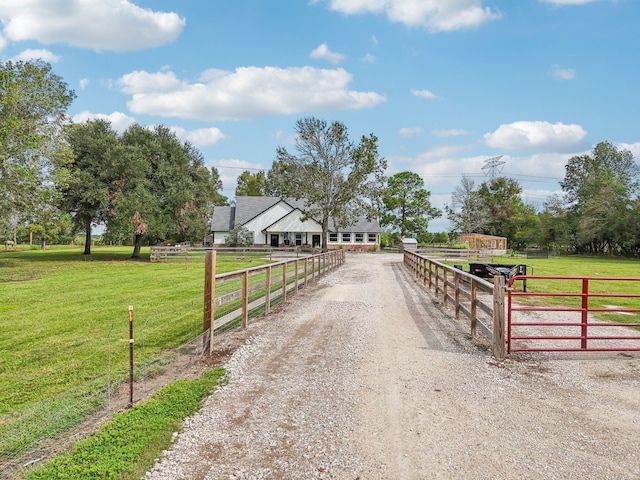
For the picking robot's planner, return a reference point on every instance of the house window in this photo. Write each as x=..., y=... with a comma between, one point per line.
x=333, y=237
x=346, y=237
x=372, y=238
x=359, y=237
x=298, y=239
x=494, y=244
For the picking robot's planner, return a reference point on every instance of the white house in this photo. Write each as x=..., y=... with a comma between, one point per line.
x=278, y=221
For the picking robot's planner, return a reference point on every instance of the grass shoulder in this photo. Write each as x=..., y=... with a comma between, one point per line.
x=127, y=446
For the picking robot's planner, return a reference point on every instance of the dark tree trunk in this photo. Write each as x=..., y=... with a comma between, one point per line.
x=325, y=234
x=87, y=238
x=137, y=245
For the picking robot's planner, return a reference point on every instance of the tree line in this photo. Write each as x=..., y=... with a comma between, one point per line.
x=145, y=185
x=58, y=178
x=598, y=211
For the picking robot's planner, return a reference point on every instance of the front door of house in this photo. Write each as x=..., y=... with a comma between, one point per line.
x=275, y=239
x=316, y=241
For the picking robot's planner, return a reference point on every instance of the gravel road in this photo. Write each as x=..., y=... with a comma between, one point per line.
x=365, y=377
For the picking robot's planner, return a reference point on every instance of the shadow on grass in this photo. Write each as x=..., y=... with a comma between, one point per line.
x=101, y=254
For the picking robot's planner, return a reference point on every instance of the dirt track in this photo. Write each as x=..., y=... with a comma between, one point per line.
x=365, y=377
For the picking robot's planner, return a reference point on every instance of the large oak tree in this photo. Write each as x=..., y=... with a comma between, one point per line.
x=88, y=184
x=337, y=179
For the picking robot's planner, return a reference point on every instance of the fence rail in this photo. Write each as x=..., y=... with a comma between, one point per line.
x=458, y=254
x=551, y=333
x=482, y=302
x=230, y=299
x=186, y=252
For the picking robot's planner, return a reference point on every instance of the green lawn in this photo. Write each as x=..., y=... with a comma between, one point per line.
x=64, y=324
x=64, y=329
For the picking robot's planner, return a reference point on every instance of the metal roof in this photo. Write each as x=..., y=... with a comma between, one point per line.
x=247, y=208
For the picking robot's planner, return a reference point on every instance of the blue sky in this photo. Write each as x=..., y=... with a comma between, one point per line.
x=443, y=84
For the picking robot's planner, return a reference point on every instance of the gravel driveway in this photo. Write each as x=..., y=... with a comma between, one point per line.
x=365, y=377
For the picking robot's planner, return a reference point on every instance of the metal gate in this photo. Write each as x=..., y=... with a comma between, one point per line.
x=556, y=315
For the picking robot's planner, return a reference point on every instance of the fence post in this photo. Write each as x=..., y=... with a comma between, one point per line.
x=498, y=318
x=267, y=292
x=284, y=282
x=130, y=356
x=474, y=307
x=306, y=272
x=245, y=298
x=445, y=287
x=456, y=287
x=208, y=322
x=297, y=269
x=425, y=266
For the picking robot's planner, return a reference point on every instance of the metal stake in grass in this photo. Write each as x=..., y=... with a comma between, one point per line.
x=130, y=356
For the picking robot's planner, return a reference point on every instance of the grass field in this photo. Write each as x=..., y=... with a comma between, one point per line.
x=64, y=324
x=64, y=327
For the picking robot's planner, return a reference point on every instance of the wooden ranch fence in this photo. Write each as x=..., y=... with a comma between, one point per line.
x=482, y=302
x=185, y=253
x=457, y=254
x=230, y=299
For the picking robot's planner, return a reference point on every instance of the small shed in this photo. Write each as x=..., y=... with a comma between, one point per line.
x=410, y=244
x=478, y=241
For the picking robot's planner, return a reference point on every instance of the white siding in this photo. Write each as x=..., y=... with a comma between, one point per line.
x=293, y=223
x=219, y=237
x=265, y=219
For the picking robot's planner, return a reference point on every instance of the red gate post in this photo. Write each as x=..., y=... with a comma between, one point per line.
x=585, y=312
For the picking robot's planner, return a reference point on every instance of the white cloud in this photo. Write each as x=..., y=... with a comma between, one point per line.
x=139, y=82
x=322, y=52
x=107, y=25
x=449, y=133
x=634, y=148
x=564, y=73
x=368, y=58
x=200, y=137
x=36, y=54
x=435, y=15
x=3, y=43
x=84, y=82
x=558, y=137
x=230, y=170
x=423, y=94
x=119, y=121
x=410, y=132
x=249, y=92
